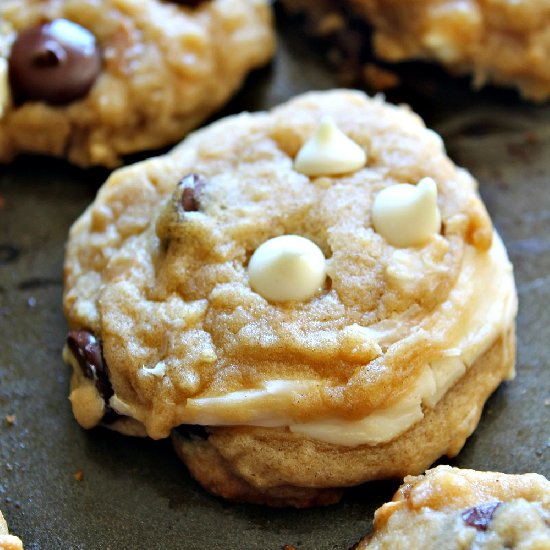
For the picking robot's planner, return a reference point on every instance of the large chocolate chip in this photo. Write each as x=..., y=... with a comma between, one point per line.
x=56, y=62
x=192, y=186
x=480, y=516
x=87, y=350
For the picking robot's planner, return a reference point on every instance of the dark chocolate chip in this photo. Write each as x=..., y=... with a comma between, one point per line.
x=192, y=186
x=87, y=350
x=56, y=62
x=480, y=516
x=192, y=431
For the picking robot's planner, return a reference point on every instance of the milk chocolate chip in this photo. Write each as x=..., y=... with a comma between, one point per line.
x=480, y=516
x=56, y=62
x=192, y=186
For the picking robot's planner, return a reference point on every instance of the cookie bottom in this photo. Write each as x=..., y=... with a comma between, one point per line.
x=276, y=467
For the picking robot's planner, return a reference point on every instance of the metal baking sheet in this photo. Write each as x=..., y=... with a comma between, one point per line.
x=63, y=487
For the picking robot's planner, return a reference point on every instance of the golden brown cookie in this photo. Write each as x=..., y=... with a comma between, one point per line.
x=464, y=509
x=94, y=81
x=494, y=41
x=7, y=541
x=308, y=299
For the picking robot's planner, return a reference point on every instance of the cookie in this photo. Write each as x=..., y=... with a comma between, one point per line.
x=458, y=509
x=499, y=42
x=7, y=541
x=93, y=81
x=307, y=299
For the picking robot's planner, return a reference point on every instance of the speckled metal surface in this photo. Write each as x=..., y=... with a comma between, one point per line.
x=134, y=493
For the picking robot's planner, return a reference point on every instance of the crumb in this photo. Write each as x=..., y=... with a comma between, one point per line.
x=289, y=547
x=379, y=79
x=502, y=185
x=531, y=138
x=79, y=475
x=547, y=402
x=10, y=419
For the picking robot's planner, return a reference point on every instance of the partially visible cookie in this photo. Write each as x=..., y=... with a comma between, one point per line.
x=459, y=509
x=7, y=541
x=500, y=42
x=94, y=81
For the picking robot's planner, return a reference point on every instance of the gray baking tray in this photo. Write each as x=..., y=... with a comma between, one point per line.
x=134, y=493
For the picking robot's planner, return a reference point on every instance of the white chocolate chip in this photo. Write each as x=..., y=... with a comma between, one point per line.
x=328, y=152
x=4, y=86
x=407, y=215
x=287, y=268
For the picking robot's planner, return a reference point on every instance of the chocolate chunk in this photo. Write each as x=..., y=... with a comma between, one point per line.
x=480, y=516
x=192, y=431
x=192, y=186
x=56, y=62
x=87, y=350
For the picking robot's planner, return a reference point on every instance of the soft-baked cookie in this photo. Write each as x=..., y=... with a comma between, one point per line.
x=496, y=41
x=7, y=541
x=308, y=299
x=95, y=80
x=464, y=509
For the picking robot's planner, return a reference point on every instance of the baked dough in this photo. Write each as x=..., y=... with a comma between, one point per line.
x=384, y=369
x=166, y=66
x=460, y=509
x=495, y=41
x=7, y=541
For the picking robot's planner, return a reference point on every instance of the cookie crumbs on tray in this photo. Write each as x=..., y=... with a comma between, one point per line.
x=10, y=419
x=79, y=475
